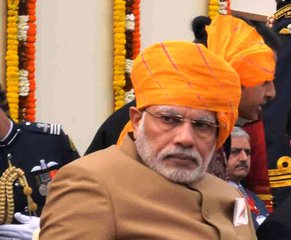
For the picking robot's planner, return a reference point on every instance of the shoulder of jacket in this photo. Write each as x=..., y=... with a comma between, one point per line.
x=39, y=127
x=213, y=185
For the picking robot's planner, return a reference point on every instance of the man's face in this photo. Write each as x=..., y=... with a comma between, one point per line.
x=178, y=149
x=254, y=98
x=238, y=165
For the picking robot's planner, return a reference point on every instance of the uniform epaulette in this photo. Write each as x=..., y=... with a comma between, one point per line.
x=49, y=128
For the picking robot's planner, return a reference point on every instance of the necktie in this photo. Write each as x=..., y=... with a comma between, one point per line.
x=242, y=190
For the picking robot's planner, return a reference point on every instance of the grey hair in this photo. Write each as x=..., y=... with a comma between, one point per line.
x=239, y=132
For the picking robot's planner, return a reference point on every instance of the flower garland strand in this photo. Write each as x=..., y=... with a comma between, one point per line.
x=130, y=27
x=132, y=43
x=23, y=73
x=218, y=7
x=30, y=100
x=20, y=59
x=126, y=26
x=11, y=58
x=136, y=32
x=119, y=41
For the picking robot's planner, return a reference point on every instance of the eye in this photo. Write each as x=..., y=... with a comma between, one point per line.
x=202, y=124
x=248, y=151
x=235, y=151
x=170, y=119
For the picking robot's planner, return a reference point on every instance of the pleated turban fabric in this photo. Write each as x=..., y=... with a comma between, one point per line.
x=187, y=74
x=243, y=47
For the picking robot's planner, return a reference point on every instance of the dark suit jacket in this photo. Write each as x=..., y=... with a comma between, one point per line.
x=277, y=225
x=260, y=205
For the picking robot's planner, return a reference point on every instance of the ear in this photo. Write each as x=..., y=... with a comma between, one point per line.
x=135, y=116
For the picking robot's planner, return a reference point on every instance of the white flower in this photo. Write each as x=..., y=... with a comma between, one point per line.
x=23, y=18
x=22, y=27
x=23, y=83
x=128, y=65
x=130, y=22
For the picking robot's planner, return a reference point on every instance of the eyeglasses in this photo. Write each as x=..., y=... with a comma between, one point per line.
x=167, y=122
x=236, y=151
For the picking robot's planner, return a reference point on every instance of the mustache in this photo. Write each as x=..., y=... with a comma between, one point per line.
x=242, y=164
x=181, y=153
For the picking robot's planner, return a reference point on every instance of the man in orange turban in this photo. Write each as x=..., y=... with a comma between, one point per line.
x=250, y=49
x=244, y=47
x=245, y=50
x=155, y=185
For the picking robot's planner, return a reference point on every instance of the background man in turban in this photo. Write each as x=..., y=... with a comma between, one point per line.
x=155, y=185
x=250, y=48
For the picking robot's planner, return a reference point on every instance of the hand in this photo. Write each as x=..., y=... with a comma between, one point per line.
x=21, y=231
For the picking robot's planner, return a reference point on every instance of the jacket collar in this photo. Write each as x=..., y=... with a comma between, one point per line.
x=128, y=147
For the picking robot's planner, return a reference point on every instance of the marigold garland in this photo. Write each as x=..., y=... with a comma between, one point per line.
x=29, y=100
x=20, y=59
x=218, y=7
x=119, y=52
x=11, y=58
x=136, y=32
x=126, y=30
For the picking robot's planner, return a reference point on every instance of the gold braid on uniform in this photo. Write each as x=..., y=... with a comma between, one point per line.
x=6, y=193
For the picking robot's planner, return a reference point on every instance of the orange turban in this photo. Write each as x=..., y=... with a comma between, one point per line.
x=243, y=47
x=187, y=74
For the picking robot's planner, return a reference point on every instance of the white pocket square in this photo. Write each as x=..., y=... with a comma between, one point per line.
x=240, y=215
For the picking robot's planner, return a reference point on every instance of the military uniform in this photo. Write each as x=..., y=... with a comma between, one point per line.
x=39, y=149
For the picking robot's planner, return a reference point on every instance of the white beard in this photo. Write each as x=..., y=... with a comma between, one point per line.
x=154, y=160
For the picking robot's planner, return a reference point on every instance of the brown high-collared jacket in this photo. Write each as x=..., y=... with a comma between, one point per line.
x=110, y=195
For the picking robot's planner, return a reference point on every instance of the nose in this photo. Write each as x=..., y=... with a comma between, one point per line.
x=243, y=155
x=270, y=90
x=184, y=135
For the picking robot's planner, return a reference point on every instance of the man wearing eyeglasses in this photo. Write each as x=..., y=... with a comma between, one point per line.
x=238, y=167
x=154, y=185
